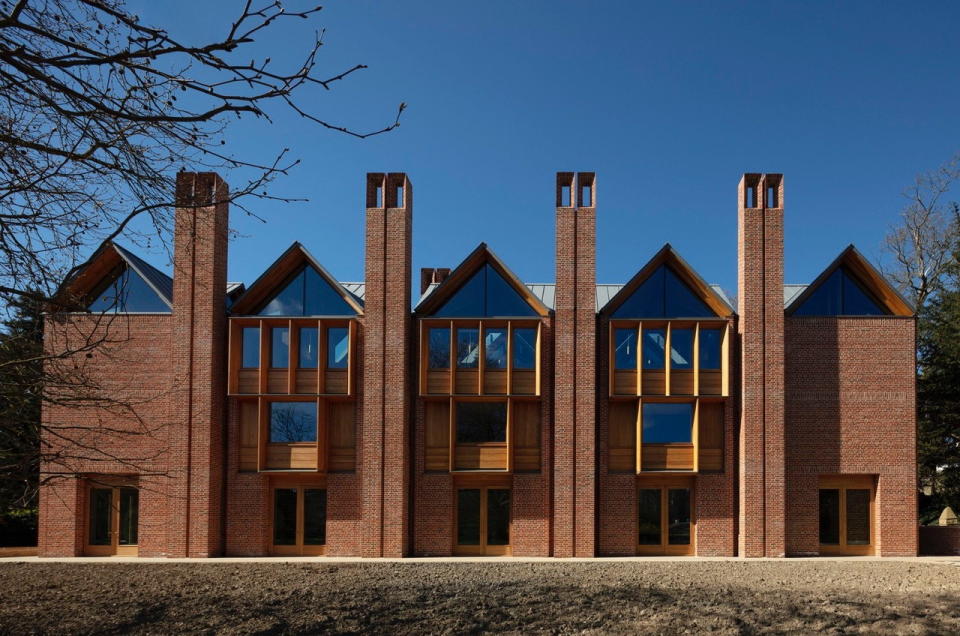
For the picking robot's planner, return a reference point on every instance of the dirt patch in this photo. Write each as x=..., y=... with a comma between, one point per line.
x=667, y=597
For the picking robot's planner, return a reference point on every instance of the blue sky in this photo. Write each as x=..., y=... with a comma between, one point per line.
x=668, y=102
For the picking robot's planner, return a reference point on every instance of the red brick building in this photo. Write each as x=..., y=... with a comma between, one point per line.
x=490, y=416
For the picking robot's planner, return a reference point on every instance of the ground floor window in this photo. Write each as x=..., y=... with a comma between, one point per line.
x=113, y=514
x=665, y=521
x=846, y=513
x=299, y=519
x=483, y=521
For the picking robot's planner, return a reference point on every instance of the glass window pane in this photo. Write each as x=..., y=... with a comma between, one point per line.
x=495, y=348
x=285, y=516
x=468, y=301
x=498, y=517
x=681, y=348
x=438, y=348
x=100, y=505
x=293, y=422
x=710, y=348
x=646, y=301
x=251, y=347
x=830, y=516
x=856, y=300
x=826, y=300
x=479, y=422
x=665, y=423
x=289, y=301
x=625, y=348
x=468, y=516
x=654, y=344
x=680, y=301
x=502, y=298
x=129, y=515
x=314, y=516
x=649, y=508
x=858, y=516
x=128, y=292
x=308, y=348
x=468, y=348
x=524, y=348
x=320, y=298
x=678, y=516
x=279, y=348
x=338, y=347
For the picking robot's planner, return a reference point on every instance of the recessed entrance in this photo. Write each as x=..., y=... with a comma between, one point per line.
x=846, y=515
x=299, y=519
x=112, y=521
x=665, y=523
x=483, y=521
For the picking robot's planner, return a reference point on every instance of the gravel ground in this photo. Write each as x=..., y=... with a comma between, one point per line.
x=661, y=597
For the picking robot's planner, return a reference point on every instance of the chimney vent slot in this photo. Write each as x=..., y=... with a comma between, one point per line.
x=586, y=196
x=565, y=196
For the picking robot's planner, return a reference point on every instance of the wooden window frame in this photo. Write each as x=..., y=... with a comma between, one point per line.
x=483, y=483
x=843, y=483
x=301, y=484
x=483, y=382
x=114, y=549
x=665, y=484
x=283, y=381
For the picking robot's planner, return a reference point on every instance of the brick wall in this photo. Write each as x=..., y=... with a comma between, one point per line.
x=940, y=540
x=850, y=410
x=574, y=432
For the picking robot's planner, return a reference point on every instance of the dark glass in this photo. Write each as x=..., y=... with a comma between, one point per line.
x=654, y=343
x=710, y=348
x=625, y=349
x=288, y=301
x=498, y=517
x=495, y=348
x=251, y=347
x=678, y=516
x=100, y=507
x=438, y=348
x=479, y=422
x=524, y=348
x=663, y=295
x=128, y=292
x=279, y=348
x=857, y=301
x=502, y=298
x=338, y=347
x=830, y=516
x=129, y=515
x=646, y=301
x=840, y=295
x=468, y=301
x=308, y=348
x=649, y=508
x=285, y=516
x=665, y=423
x=314, y=516
x=485, y=294
x=681, y=348
x=293, y=422
x=680, y=301
x=468, y=516
x=320, y=298
x=468, y=348
x=858, y=516
x=307, y=294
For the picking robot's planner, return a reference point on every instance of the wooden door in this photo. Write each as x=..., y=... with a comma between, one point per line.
x=113, y=514
x=483, y=521
x=847, y=515
x=665, y=518
x=299, y=520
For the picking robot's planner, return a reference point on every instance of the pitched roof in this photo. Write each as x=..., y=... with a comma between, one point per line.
x=866, y=274
x=295, y=256
x=157, y=280
x=105, y=260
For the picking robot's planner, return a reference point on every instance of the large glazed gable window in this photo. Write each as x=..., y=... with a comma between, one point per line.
x=840, y=295
x=306, y=293
x=485, y=294
x=125, y=291
x=663, y=295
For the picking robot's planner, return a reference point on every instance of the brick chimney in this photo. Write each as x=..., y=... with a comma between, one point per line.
x=760, y=305
x=575, y=373
x=385, y=459
x=198, y=343
x=431, y=275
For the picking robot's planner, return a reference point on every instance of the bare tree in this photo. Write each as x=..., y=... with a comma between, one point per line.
x=98, y=112
x=920, y=245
